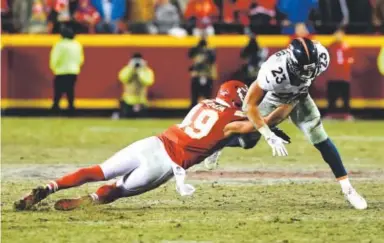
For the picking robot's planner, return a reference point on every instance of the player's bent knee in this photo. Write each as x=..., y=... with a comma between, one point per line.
x=315, y=131
x=134, y=183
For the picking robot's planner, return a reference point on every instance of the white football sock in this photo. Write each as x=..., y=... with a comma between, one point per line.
x=94, y=197
x=52, y=186
x=345, y=184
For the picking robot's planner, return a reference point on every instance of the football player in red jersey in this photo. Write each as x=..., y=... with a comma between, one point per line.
x=150, y=162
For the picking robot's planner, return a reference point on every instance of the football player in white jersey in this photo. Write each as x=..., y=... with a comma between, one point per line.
x=284, y=79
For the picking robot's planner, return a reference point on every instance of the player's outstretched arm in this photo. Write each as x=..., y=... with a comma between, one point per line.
x=238, y=127
x=253, y=97
x=251, y=101
x=278, y=115
x=243, y=127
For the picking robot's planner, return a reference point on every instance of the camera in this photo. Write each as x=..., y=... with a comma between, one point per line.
x=137, y=62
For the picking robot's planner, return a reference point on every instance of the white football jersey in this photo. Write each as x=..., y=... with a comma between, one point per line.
x=274, y=77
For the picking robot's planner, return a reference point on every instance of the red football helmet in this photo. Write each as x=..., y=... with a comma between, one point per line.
x=233, y=92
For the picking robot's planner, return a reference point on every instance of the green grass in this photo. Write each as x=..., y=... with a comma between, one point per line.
x=226, y=212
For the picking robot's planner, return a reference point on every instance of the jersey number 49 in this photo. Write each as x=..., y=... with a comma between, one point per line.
x=199, y=122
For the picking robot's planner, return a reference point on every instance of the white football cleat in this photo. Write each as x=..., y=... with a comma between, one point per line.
x=212, y=161
x=185, y=189
x=355, y=199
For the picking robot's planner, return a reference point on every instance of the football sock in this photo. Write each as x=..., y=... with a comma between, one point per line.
x=344, y=183
x=81, y=176
x=330, y=155
x=107, y=194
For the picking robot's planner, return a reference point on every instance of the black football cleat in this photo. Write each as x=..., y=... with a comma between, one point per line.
x=36, y=196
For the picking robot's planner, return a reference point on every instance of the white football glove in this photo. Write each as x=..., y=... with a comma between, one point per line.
x=277, y=145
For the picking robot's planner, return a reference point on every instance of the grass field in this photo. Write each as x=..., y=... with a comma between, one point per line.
x=252, y=197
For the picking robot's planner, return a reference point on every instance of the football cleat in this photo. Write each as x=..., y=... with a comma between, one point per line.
x=355, y=199
x=36, y=196
x=212, y=162
x=71, y=204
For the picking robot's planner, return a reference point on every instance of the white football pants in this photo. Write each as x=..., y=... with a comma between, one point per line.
x=143, y=165
x=305, y=115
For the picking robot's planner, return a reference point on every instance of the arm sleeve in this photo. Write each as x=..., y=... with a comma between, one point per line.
x=54, y=57
x=146, y=76
x=125, y=74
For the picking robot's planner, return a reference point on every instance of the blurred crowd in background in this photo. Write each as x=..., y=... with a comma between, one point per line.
x=137, y=75
x=193, y=17
x=200, y=18
x=67, y=59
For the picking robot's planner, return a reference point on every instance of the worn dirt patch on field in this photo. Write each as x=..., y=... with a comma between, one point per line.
x=44, y=172
x=212, y=175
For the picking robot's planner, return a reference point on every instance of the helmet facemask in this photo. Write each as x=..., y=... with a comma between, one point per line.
x=303, y=72
x=241, y=93
x=233, y=93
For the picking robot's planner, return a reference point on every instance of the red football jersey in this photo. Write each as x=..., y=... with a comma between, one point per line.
x=341, y=61
x=200, y=134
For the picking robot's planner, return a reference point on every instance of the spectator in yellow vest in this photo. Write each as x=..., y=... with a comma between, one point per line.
x=136, y=77
x=66, y=60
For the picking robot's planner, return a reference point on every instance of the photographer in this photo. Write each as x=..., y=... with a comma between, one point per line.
x=248, y=71
x=136, y=77
x=203, y=71
x=254, y=56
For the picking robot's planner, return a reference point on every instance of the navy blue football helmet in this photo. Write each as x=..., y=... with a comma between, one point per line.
x=302, y=59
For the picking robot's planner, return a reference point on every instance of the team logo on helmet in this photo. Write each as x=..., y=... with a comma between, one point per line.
x=224, y=92
x=242, y=92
